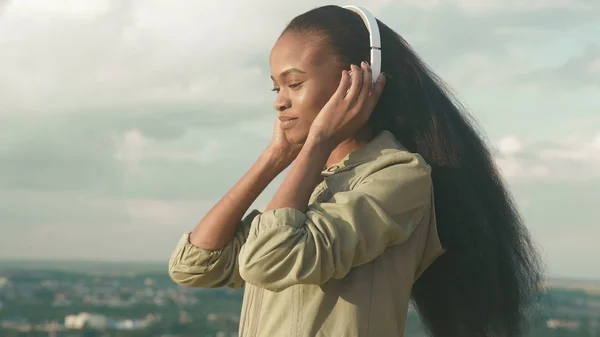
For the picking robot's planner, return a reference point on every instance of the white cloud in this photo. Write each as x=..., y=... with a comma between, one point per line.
x=157, y=212
x=478, y=7
x=510, y=145
x=569, y=159
x=66, y=56
x=596, y=142
x=71, y=57
x=132, y=148
x=579, y=70
x=86, y=9
x=520, y=5
x=3, y=5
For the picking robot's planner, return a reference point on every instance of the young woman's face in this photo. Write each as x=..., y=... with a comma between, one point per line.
x=305, y=75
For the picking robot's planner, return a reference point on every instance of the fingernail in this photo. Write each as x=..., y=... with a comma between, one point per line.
x=364, y=63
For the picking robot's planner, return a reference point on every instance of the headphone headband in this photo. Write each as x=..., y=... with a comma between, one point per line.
x=374, y=38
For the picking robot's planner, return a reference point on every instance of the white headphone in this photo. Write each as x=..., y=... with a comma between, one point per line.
x=374, y=38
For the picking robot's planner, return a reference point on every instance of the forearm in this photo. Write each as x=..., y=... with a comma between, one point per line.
x=303, y=177
x=220, y=224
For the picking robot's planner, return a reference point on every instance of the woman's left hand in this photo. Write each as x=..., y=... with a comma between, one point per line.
x=349, y=108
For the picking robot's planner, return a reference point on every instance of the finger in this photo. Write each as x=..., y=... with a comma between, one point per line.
x=367, y=85
x=379, y=85
x=344, y=85
x=377, y=90
x=357, y=80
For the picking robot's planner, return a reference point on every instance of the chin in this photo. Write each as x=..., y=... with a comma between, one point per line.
x=295, y=137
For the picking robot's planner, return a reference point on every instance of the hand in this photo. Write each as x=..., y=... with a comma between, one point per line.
x=349, y=108
x=282, y=151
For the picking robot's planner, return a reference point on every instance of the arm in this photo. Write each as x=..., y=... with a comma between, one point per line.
x=303, y=177
x=207, y=257
x=219, y=225
x=288, y=246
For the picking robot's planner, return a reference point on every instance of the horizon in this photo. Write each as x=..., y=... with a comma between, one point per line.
x=157, y=263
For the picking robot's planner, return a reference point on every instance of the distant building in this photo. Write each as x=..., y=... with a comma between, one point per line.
x=556, y=324
x=16, y=323
x=3, y=282
x=212, y=318
x=86, y=320
x=61, y=299
x=184, y=317
x=129, y=324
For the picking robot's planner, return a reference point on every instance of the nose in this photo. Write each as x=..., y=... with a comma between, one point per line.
x=282, y=103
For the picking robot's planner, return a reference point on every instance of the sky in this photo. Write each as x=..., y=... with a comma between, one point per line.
x=122, y=122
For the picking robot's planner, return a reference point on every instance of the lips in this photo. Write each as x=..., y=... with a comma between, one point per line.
x=286, y=118
x=287, y=122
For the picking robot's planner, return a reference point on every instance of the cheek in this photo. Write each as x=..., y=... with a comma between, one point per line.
x=307, y=104
x=312, y=100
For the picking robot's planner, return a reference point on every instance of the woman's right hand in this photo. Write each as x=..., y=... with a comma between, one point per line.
x=282, y=151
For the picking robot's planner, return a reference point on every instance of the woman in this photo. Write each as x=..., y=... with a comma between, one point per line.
x=392, y=196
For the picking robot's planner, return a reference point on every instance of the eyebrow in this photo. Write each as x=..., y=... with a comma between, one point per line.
x=289, y=71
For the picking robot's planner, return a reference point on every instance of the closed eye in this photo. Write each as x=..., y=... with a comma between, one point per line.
x=293, y=86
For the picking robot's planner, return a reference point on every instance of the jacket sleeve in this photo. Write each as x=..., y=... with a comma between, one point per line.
x=287, y=247
x=195, y=267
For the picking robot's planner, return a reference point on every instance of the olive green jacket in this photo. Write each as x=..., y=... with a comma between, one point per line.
x=345, y=266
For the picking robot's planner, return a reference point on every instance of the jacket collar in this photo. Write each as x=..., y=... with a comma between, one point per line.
x=369, y=152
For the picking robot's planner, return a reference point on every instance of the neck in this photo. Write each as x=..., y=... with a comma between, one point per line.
x=360, y=139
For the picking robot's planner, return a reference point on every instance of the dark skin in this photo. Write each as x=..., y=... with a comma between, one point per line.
x=325, y=112
x=306, y=74
x=304, y=78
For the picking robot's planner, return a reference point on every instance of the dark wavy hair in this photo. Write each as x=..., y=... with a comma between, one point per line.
x=491, y=273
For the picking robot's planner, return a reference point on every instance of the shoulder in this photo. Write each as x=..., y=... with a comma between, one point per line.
x=392, y=176
x=384, y=168
x=396, y=174
x=386, y=157
x=395, y=163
